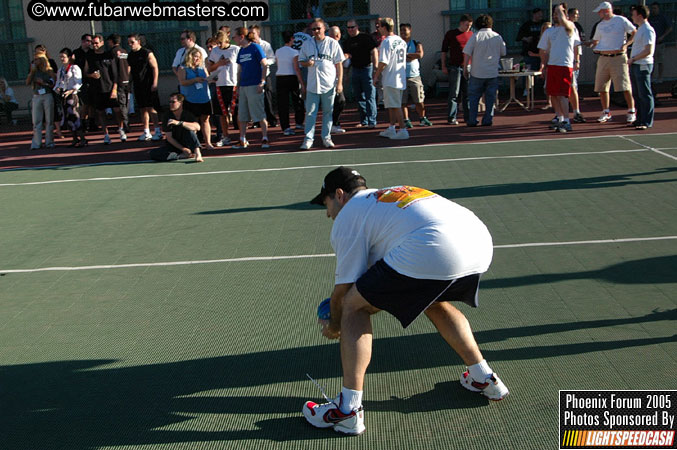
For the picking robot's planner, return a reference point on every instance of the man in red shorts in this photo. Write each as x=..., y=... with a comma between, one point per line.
x=558, y=48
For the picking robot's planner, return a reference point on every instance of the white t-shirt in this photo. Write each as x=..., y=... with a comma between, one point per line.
x=228, y=73
x=611, y=33
x=9, y=92
x=645, y=35
x=326, y=53
x=285, y=60
x=485, y=48
x=393, y=52
x=416, y=232
x=180, y=56
x=559, y=45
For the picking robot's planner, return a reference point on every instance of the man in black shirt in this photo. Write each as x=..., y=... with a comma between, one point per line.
x=124, y=89
x=361, y=49
x=102, y=71
x=529, y=34
x=181, y=129
x=144, y=73
x=80, y=58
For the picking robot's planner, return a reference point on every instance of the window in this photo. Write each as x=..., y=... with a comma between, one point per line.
x=508, y=15
x=162, y=37
x=294, y=15
x=14, y=51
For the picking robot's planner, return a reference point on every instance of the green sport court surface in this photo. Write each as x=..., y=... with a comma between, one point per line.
x=172, y=306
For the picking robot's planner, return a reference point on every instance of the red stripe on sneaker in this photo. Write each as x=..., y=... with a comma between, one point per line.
x=311, y=406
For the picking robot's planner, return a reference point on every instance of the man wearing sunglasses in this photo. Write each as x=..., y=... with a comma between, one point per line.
x=323, y=57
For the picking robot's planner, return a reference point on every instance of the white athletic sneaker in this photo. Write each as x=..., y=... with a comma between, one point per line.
x=145, y=137
x=223, y=141
x=307, y=144
x=630, y=117
x=157, y=136
x=328, y=415
x=492, y=388
x=173, y=156
x=328, y=143
x=400, y=135
x=605, y=117
x=106, y=139
x=335, y=129
x=123, y=135
x=388, y=133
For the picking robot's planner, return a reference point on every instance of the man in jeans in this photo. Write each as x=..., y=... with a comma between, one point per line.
x=452, y=66
x=641, y=64
x=484, y=49
x=323, y=57
x=361, y=49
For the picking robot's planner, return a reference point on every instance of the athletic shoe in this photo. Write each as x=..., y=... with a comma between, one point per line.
x=605, y=117
x=106, y=139
x=328, y=415
x=451, y=121
x=307, y=144
x=425, y=122
x=554, y=120
x=123, y=136
x=564, y=127
x=578, y=118
x=241, y=145
x=289, y=132
x=145, y=137
x=408, y=124
x=265, y=143
x=172, y=156
x=223, y=141
x=328, y=143
x=401, y=135
x=157, y=136
x=492, y=388
x=554, y=125
x=388, y=133
x=300, y=127
x=336, y=129
x=50, y=146
x=630, y=117
x=371, y=125
x=641, y=127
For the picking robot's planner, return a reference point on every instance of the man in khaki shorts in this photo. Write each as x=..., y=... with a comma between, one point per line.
x=392, y=57
x=415, y=92
x=610, y=44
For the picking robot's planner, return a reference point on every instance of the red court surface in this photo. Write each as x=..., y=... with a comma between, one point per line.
x=513, y=124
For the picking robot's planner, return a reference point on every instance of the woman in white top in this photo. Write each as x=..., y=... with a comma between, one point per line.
x=8, y=102
x=289, y=83
x=68, y=83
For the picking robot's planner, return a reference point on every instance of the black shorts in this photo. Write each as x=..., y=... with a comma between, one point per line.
x=406, y=298
x=102, y=101
x=145, y=97
x=198, y=109
x=226, y=97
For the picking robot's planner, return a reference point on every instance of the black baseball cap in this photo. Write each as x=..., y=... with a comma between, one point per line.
x=342, y=177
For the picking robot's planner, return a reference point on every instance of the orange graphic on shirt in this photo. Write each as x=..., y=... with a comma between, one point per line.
x=402, y=195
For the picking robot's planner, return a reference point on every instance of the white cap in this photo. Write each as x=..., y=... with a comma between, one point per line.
x=603, y=5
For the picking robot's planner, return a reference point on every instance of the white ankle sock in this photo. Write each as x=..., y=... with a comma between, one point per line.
x=146, y=131
x=480, y=371
x=577, y=112
x=351, y=400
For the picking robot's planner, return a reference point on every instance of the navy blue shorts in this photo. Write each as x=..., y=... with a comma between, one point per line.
x=406, y=298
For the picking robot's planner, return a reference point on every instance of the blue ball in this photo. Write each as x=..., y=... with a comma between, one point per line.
x=324, y=309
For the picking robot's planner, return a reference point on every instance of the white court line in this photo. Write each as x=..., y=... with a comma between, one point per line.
x=655, y=150
x=322, y=166
x=321, y=255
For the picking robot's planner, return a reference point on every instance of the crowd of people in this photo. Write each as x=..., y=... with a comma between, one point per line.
x=227, y=85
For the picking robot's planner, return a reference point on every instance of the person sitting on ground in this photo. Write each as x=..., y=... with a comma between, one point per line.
x=181, y=129
x=414, y=93
x=8, y=102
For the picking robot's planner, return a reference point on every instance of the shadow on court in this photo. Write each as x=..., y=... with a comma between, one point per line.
x=80, y=404
x=559, y=185
x=300, y=206
x=658, y=270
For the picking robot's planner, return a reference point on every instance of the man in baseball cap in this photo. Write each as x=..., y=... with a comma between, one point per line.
x=407, y=251
x=601, y=6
